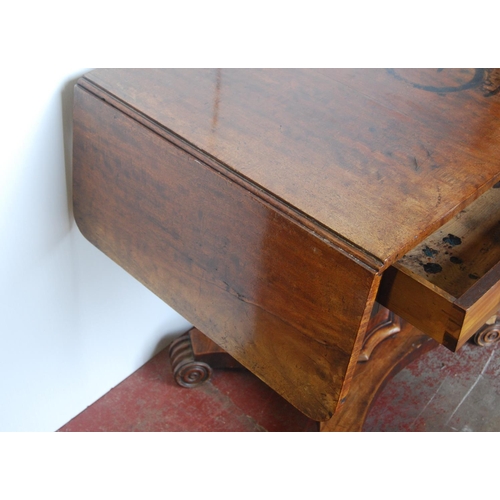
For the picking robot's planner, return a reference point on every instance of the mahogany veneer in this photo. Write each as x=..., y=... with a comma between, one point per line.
x=268, y=206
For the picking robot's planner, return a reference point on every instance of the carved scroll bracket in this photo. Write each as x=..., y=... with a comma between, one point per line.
x=188, y=372
x=489, y=334
x=383, y=325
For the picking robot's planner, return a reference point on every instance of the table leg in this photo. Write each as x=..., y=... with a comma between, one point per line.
x=385, y=351
x=387, y=360
x=389, y=346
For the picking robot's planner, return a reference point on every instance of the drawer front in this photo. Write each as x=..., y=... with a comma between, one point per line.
x=449, y=285
x=448, y=320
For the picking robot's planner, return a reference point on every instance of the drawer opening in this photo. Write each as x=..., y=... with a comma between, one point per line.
x=447, y=286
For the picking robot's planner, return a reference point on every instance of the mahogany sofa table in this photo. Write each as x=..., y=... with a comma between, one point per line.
x=286, y=213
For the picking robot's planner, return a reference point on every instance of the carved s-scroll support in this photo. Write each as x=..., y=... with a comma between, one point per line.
x=188, y=372
x=383, y=325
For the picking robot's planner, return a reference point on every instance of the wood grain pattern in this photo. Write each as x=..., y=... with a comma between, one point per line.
x=263, y=287
x=264, y=205
x=329, y=142
x=382, y=325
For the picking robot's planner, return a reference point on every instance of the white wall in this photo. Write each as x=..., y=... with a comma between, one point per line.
x=72, y=323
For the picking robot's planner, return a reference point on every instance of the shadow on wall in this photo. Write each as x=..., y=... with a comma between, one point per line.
x=67, y=94
x=166, y=340
x=67, y=98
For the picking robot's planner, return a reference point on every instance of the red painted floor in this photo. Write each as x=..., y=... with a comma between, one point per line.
x=150, y=400
x=441, y=391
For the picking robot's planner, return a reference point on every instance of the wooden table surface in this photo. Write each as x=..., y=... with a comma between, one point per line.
x=265, y=205
x=379, y=158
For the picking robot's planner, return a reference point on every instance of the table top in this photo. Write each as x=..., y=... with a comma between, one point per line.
x=376, y=158
x=263, y=205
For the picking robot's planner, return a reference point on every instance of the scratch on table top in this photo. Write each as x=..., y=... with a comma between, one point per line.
x=472, y=386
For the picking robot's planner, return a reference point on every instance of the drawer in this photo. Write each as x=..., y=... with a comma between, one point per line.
x=448, y=286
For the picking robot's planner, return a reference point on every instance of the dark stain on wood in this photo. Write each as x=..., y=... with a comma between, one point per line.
x=495, y=233
x=456, y=260
x=452, y=240
x=476, y=80
x=415, y=164
x=429, y=252
x=432, y=268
